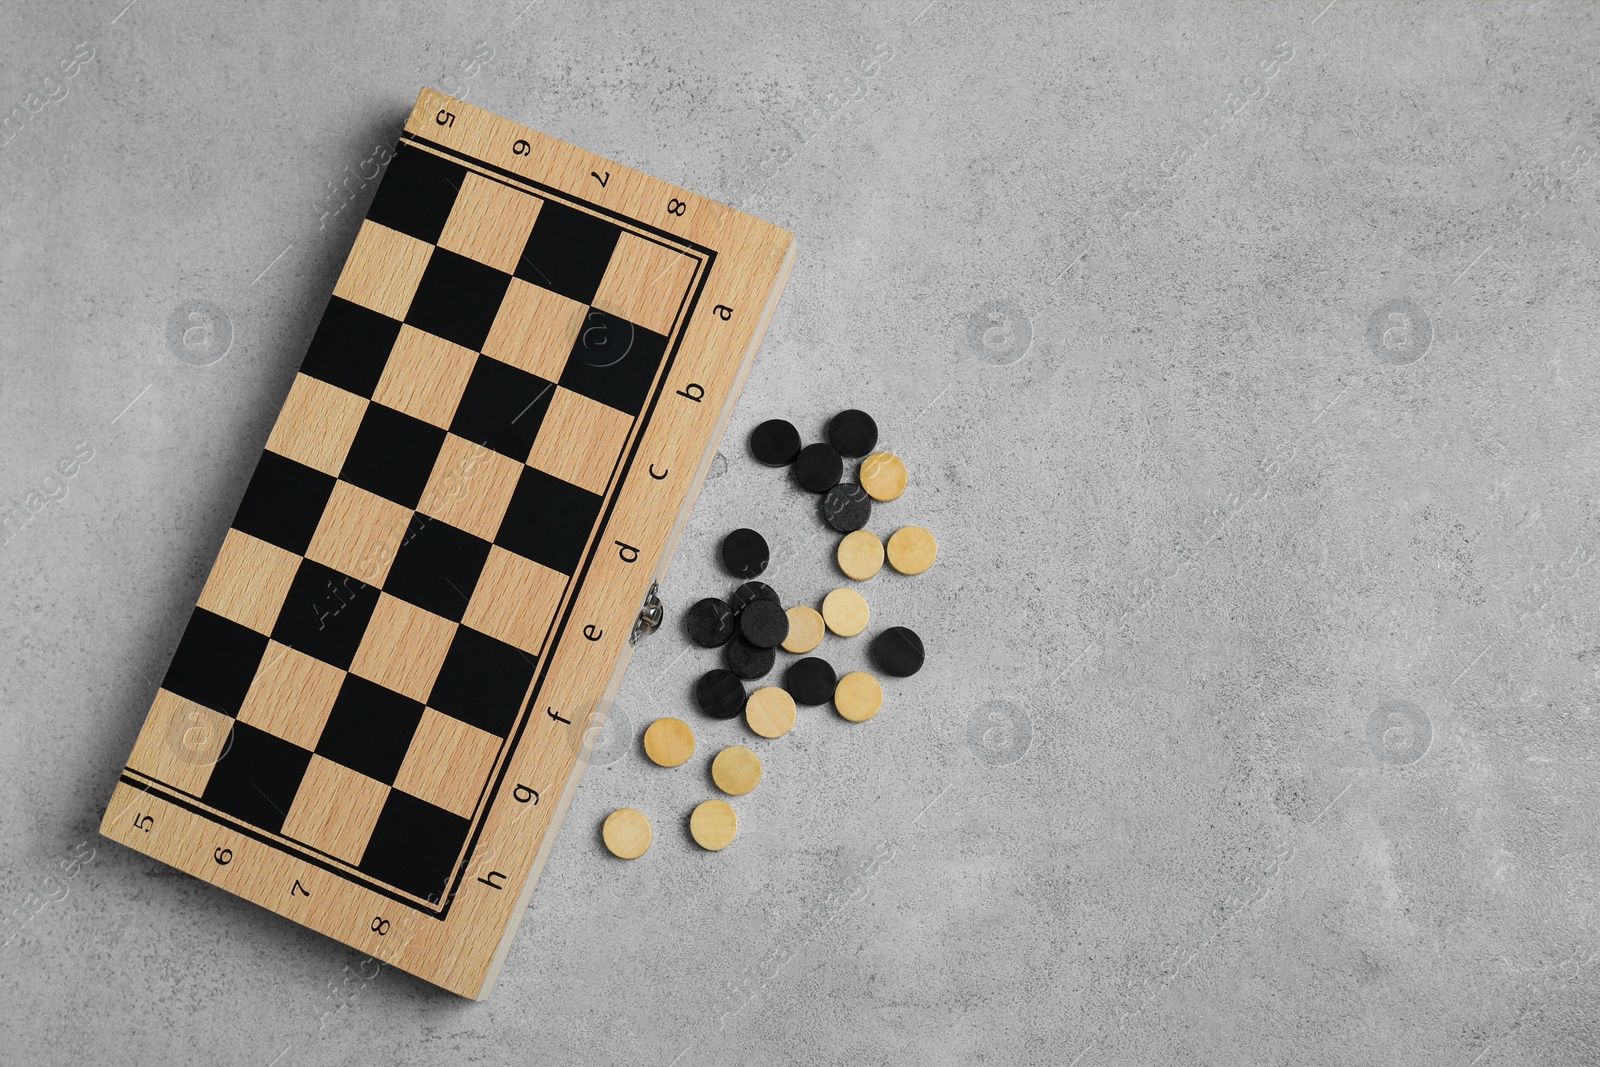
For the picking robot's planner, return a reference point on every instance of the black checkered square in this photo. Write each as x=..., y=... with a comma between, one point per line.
x=257, y=777
x=568, y=251
x=417, y=193
x=215, y=661
x=502, y=408
x=613, y=361
x=548, y=520
x=392, y=455
x=350, y=347
x=325, y=614
x=414, y=846
x=283, y=502
x=457, y=298
x=482, y=681
x=437, y=567
x=369, y=729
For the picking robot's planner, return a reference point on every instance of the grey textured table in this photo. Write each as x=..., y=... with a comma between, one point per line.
x=1243, y=358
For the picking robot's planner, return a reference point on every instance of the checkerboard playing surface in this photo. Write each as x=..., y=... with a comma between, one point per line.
x=380, y=605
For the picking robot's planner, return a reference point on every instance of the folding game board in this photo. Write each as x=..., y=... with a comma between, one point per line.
x=377, y=714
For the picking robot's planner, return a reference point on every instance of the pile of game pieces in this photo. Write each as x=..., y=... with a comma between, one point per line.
x=752, y=625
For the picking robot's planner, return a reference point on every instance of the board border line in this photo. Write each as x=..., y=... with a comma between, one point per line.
x=667, y=236
x=168, y=793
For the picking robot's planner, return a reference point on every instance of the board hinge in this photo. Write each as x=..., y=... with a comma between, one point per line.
x=650, y=615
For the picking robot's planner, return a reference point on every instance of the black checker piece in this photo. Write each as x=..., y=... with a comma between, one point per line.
x=392, y=455
x=257, y=777
x=811, y=681
x=369, y=728
x=852, y=433
x=775, y=442
x=846, y=507
x=750, y=592
x=215, y=661
x=457, y=298
x=720, y=694
x=325, y=614
x=898, y=651
x=818, y=468
x=568, y=251
x=417, y=193
x=437, y=567
x=613, y=361
x=709, y=623
x=548, y=520
x=283, y=503
x=746, y=660
x=502, y=408
x=351, y=347
x=414, y=846
x=482, y=681
x=764, y=624
x=744, y=553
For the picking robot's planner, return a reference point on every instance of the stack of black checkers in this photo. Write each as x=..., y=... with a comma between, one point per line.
x=748, y=626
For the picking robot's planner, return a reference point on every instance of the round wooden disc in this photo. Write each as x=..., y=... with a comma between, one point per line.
x=745, y=553
x=858, y=697
x=818, y=468
x=846, y=507
x=713, y=824
x=846, y=612
x=811, y=681
x=748, y=662
x=626, y=833
x=775, y=442
x=669, y=742
x=883, y=476
x=770, y=711
x=898, y=651
x=750, y=592
x=860, y=555
x=736, y=770
x=709, y=623
x=719, y=693
x=912, y=550
x=805, y=629
x=852, y=433
x=764, y=624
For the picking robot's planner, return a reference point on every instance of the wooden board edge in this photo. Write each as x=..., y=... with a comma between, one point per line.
x=780, y=282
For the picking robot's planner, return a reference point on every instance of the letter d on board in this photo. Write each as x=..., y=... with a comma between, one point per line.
x=627, y=553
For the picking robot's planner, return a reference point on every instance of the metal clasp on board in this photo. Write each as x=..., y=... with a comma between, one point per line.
x=650, y=615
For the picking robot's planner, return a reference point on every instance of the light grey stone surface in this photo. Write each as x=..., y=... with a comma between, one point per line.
x=1259, y=721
